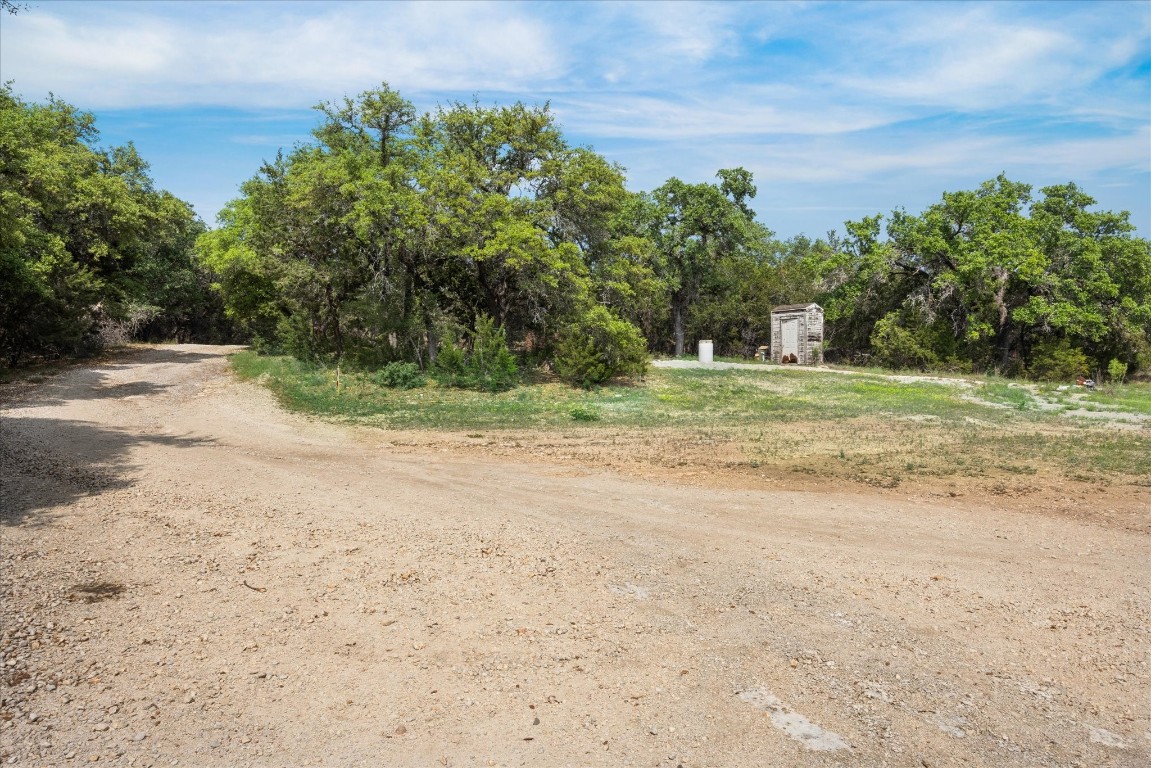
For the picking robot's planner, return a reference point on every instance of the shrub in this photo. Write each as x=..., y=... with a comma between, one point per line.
x=1116, y=371
x=599, y=346
x=584, y=413
x=490, y=365
x=896, y=346
x=399, y=376
x=294, y=336
x=123, y=327
x=1058, y=360
x=450, y=361
x=578, y=362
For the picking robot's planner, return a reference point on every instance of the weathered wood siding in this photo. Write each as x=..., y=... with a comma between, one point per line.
x=810, y=342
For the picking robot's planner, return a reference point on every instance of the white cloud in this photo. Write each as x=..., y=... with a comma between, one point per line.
x=846, y=95
x=751, y=111
x=975, y=57
x=263, y=55
x=696, y=31
x=835, y=162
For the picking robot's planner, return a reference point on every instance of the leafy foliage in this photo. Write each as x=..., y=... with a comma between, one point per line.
x=90, y=251
x=399, y=376
x=896, y=345
x=1116, y=371
x=489, y=365
x=597, y=347
x=1058, y=360
x=395, y=230
x=991, y=277
x=697, y=231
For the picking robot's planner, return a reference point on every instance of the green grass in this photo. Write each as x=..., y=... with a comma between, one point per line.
x=1115, y=398
x=683, y=397
x=306, y=388
x=1090, y=453
x=1130, y=398
x=866, y=428
x=1012, y=395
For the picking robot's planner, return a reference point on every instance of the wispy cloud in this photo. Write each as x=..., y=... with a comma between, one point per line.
x=262, y=55
x=698, y=115
x=838, y=97
x=970, y=56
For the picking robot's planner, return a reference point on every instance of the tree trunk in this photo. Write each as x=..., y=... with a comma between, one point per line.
x=1005, y=346
x=337, y=331
x=492, y=291
x=677, y=315
x=1003, y=276
x=433, y=342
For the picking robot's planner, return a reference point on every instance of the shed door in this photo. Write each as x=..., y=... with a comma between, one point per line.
x=789, y=327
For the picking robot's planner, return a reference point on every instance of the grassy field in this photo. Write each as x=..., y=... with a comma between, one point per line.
x=864, y=428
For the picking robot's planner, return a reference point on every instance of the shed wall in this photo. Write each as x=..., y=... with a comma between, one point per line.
x=810, y=346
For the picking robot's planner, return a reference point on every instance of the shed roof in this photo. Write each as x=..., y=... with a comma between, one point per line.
x=794, y=307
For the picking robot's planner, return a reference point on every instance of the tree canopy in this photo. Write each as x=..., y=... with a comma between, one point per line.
x=991, y=279
x=90, y=250
x=396, y=236
x=396, y=231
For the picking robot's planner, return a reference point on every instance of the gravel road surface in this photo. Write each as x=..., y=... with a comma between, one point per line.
x=192, y=576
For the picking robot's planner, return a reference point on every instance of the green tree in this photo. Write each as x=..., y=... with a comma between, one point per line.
x=89, y=249
x=987, y=278
x=1095, y=285
x=696, y=228
x=395, y=229
x=506, y=216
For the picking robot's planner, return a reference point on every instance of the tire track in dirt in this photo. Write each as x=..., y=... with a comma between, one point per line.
x=428, y=607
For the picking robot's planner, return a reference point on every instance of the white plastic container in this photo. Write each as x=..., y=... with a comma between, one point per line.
x=705, y=351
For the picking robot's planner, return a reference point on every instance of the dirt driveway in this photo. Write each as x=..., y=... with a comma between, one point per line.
x=192, y=576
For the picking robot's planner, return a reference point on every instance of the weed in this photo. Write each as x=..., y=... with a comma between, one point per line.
x=584, y=413
x=1011, y=395
x=1018, y=469
x=98, y=591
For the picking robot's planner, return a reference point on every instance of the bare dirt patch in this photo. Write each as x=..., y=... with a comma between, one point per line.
x=289, y=592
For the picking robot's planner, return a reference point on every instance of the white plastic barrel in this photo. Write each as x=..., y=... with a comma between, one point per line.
x=705, y=351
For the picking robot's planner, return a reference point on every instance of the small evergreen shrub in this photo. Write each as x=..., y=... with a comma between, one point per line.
x=1058, y=360
x=578, y=362
x=492, y=365
x=451, y=363
x=1116, y=371
x=896, y=346
x=399, y=376
x=489, y=366
x=597, y=347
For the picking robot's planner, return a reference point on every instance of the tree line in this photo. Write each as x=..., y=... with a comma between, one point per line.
x=473, y=236
x=91, y=253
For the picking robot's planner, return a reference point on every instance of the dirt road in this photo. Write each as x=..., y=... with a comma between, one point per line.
x=193, y=576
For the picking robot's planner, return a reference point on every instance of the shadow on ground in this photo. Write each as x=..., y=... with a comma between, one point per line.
x=37, y=391
x=50, y=463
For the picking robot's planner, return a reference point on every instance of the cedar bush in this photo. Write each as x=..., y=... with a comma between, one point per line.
x=399, y=376
x=489, y=365
x=1058, y=360
x=599, y=346
x=897, y=346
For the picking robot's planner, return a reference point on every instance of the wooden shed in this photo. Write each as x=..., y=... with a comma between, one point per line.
x=797, y=334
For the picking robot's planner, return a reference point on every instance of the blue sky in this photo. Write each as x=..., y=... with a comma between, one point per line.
x=840, y=110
